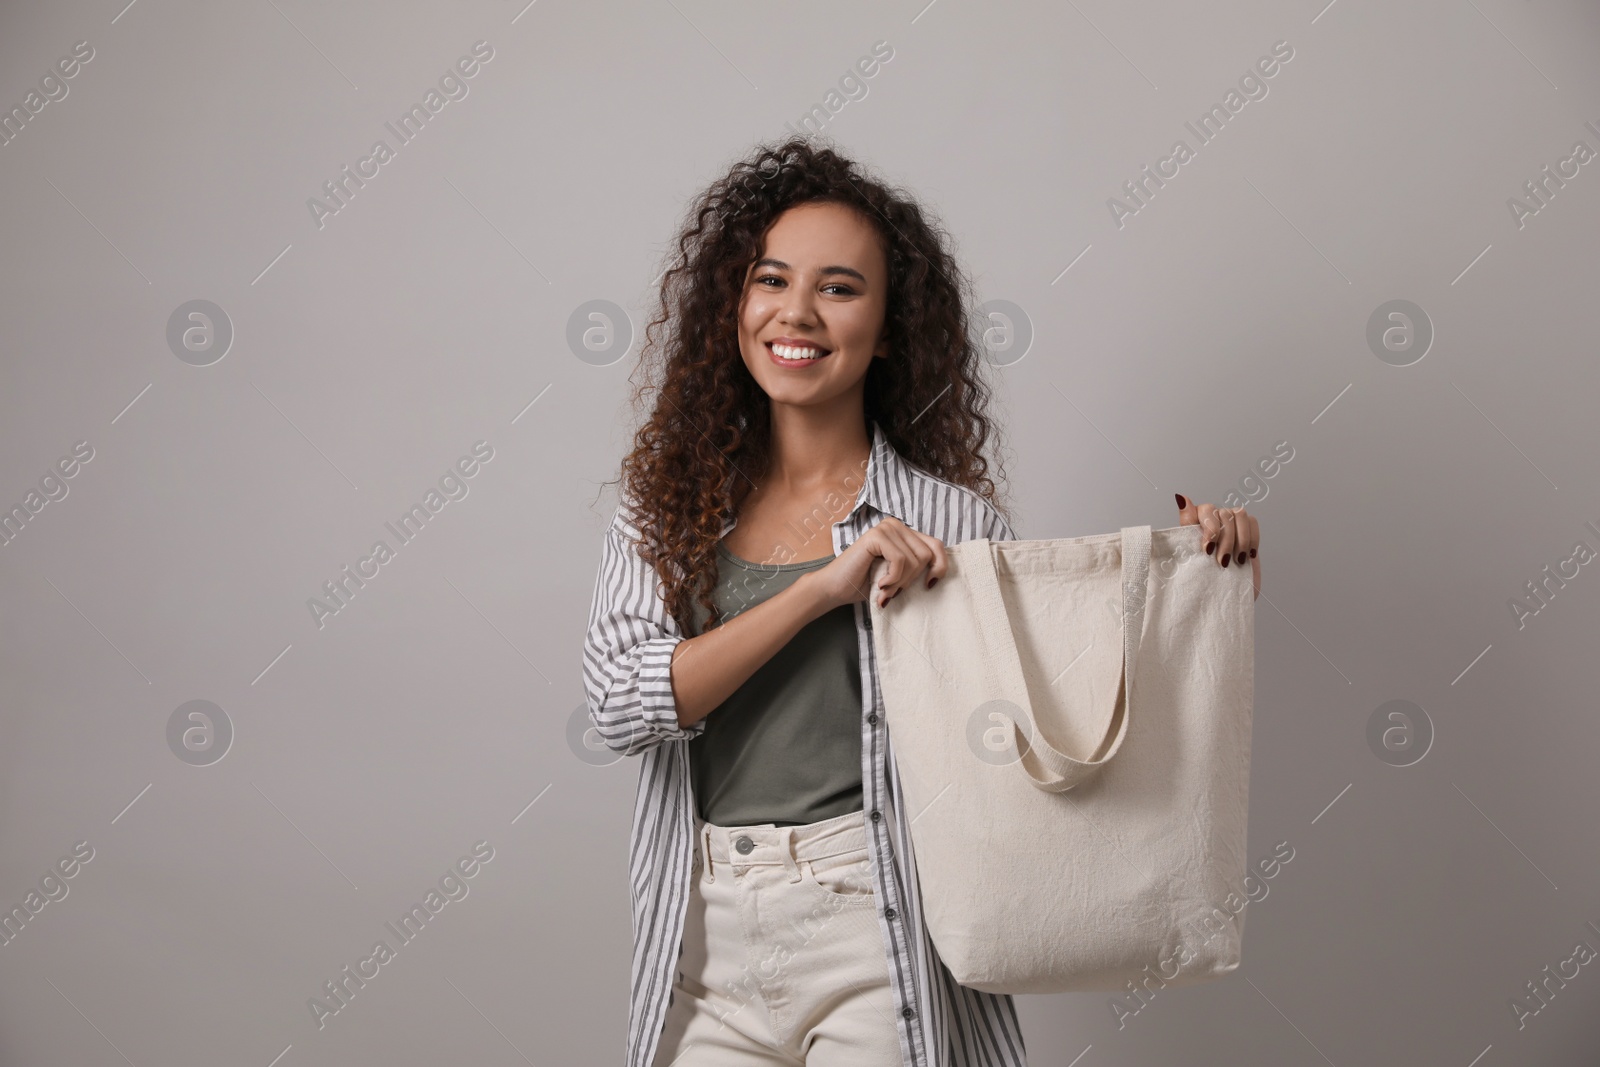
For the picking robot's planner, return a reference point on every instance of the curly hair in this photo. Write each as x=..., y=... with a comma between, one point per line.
x=711, y=422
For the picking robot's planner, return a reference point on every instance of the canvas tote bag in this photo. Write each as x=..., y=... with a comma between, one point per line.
x=1071, y=723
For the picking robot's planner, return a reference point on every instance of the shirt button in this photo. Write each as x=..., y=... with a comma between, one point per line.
x=888, y=913
x=907, y=1013
x=876, y=816
x=873, y=718
x=744, y=845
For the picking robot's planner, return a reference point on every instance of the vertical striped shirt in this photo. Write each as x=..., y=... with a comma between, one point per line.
x=627, y=661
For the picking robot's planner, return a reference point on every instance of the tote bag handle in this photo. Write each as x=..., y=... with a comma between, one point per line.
x=1051, y=770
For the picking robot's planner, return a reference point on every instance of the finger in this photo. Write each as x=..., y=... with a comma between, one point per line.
x=941, y=561
x=893, y=549
x=915, y=558
x=1210, y=527
x=1188, y=513
x=1228, y=538
x=896, y=548
x=1255, y=560
x=875, y=573
x=876, y=542
x=1240, y=525
x=1244, y=525
x=884, y=546
x=917, y=555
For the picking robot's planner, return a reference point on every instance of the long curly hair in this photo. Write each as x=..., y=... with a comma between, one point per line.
x=709, y=431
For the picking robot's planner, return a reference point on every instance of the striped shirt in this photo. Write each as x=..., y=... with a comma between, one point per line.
x=627, y=679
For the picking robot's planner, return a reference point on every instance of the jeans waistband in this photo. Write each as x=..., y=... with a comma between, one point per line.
x=781, y=845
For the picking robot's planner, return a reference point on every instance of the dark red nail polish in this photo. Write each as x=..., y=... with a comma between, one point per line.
x=1209, y=546
x=1182, y=503
x=1252, y=553
x=1224, y=559
x=932, y=582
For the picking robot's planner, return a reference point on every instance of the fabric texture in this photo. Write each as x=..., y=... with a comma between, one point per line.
x=782, y=962
x=1082, y=708
x=627, y=679
x=785, y=747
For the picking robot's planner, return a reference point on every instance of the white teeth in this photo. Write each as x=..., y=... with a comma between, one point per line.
x=796, y=353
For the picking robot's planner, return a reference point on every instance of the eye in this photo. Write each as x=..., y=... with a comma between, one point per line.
x=767, y=278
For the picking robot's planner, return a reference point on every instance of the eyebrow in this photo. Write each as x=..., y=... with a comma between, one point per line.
x=781, y=265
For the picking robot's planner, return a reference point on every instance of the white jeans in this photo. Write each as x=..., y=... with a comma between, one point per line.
x=782, y=959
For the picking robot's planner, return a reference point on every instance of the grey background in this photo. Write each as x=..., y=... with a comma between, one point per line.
x=432, y=312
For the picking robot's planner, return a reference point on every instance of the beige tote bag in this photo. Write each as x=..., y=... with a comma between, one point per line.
x=1071, y=723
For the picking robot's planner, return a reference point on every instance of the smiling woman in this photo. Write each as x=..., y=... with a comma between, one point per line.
x=810, y=308
x=816, y=328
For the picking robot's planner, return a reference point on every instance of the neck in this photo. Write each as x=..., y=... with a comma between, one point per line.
x=814, y=449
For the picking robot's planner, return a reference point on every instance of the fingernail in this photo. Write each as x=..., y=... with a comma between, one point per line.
x=932, y=582
x=1224, y=559
x=1209, y=546
x=1182, y=503
x=1252, y=553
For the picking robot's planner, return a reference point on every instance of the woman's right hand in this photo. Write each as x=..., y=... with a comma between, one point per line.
x=908, y=554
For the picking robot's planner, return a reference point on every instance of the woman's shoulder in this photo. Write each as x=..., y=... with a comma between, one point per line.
x=624, y=530
x=960, y=507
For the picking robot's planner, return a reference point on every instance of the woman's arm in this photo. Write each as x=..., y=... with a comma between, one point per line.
x=644, y=681
x=627, y=651
x=707, y=669
x=647, y=684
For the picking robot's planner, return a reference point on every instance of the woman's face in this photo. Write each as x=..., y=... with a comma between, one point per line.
x=819, y=286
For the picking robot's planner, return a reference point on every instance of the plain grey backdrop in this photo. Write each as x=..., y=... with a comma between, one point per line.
x=1426, y=747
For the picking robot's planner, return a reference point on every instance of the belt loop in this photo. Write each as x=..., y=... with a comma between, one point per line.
x=786, y=846
x=705, y=851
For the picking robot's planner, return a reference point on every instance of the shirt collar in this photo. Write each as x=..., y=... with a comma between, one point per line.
x=888, y=479
x=885, y=485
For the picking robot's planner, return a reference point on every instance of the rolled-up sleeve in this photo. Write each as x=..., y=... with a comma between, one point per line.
x=627, y=651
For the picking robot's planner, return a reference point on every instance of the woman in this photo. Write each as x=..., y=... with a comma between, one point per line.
x=819, y=408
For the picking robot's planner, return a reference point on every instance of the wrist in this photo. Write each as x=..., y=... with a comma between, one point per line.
x=812, y=595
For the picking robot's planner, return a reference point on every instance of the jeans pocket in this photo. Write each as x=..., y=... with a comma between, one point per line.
x=846, y=878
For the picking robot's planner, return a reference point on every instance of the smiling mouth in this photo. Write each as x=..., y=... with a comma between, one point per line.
x=797, y=353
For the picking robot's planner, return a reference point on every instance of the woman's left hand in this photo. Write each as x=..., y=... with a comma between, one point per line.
x=1232, y=535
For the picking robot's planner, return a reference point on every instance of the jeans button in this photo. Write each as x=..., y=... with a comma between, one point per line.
x=744, y=845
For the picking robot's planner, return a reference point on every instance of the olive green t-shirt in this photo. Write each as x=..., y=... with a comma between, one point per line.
x=785, y=748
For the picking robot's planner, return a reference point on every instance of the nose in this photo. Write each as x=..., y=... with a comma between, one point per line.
x=799, y=307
